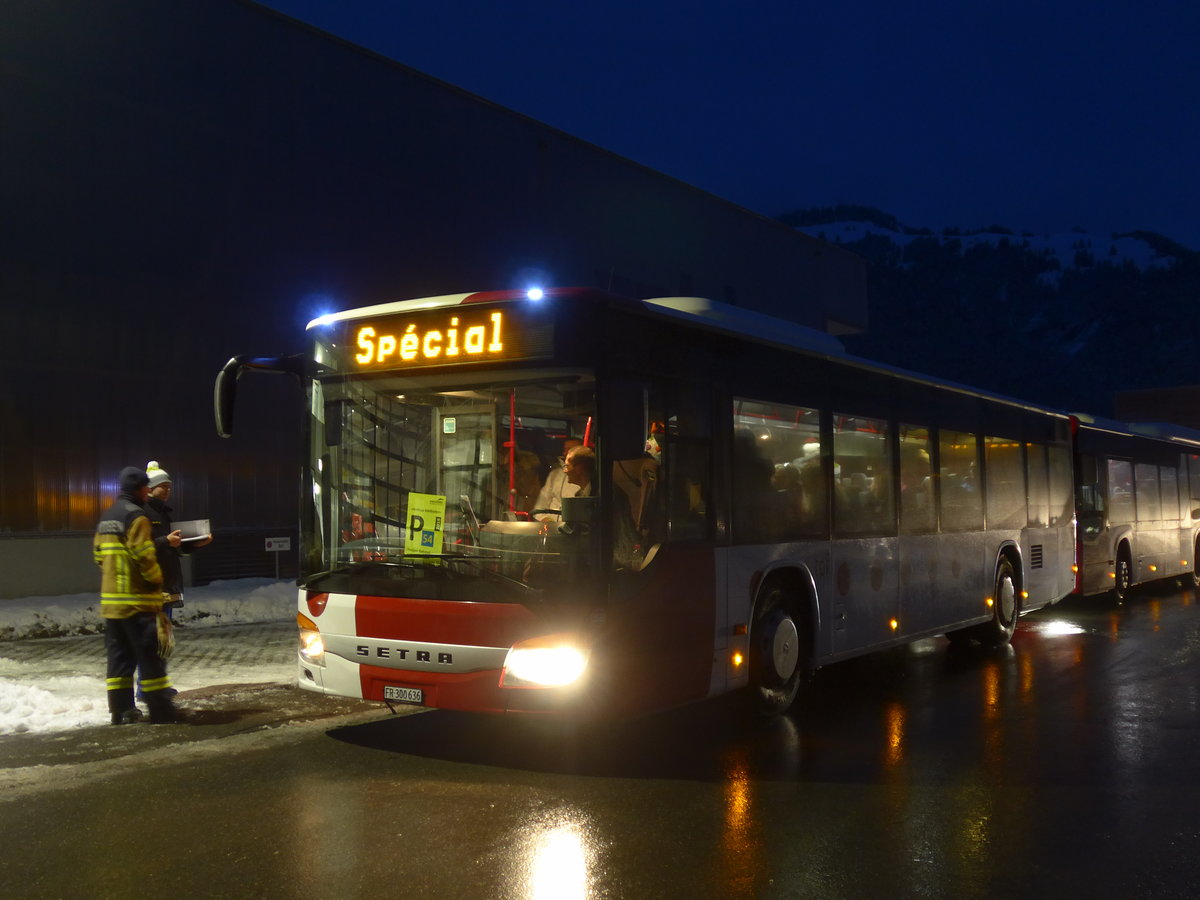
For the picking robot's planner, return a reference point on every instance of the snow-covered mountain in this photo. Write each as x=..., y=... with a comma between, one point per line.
x=1063, y=319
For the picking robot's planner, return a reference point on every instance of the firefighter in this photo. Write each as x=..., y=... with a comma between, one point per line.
x=136, y=633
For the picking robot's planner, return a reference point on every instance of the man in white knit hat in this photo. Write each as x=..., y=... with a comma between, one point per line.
x=167, y=539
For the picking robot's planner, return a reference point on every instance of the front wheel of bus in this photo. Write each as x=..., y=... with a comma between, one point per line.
x=776, y=653
x=1006, y=607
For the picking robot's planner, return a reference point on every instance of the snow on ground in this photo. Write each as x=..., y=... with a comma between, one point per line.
x=60, y=701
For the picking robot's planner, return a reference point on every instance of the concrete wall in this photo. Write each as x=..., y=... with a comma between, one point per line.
x=47, y=566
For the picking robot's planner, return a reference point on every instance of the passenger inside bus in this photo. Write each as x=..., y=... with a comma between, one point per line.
x=557, y=486
x=519, y=493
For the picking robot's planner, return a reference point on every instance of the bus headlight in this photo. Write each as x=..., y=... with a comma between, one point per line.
x=312, y=645
x=543, y=662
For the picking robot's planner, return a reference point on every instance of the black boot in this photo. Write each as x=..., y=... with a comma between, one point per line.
x=163, y=710
x=121, y=708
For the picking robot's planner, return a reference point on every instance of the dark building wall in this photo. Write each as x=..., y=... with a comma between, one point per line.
x=185, y=181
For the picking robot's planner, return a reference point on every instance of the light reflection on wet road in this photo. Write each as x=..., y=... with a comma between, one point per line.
x=1066, y=764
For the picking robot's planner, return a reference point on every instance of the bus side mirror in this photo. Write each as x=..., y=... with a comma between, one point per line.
x=225, y=387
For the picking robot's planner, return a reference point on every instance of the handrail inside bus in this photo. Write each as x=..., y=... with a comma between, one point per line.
x=225, y=387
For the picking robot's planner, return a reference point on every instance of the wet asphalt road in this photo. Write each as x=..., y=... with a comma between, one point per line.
x=1066, y=765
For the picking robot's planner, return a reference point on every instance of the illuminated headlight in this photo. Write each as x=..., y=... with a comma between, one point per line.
x=312, y=645
x=546, y=666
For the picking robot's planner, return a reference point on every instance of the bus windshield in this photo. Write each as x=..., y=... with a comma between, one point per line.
x=429, y=486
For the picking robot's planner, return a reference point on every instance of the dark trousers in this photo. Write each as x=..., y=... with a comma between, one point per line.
x=132, y=646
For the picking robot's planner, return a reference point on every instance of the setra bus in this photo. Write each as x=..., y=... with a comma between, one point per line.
x=1137, y=504
x=760, y=504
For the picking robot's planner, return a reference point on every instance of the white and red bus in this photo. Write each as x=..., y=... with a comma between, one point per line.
x=763, y=504
x=1137, y=504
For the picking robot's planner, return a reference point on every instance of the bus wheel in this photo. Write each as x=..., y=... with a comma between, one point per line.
x=775, y=654
x=1123, y=573
x=1005, y=607
x=1196, y=565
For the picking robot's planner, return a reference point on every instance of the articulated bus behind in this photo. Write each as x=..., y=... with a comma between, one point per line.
x=1137, y=504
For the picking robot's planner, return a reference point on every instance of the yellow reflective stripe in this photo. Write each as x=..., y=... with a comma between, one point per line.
x=155, y=684
x=130, y=599
x=121, y=683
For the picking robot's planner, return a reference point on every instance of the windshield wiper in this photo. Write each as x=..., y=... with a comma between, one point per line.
x=477, y=562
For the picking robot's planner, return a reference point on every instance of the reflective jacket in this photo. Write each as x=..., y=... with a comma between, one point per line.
x=130, y=579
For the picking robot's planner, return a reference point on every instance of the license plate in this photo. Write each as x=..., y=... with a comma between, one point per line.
x=403, y=695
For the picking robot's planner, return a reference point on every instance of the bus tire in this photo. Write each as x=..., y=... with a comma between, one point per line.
x=777, y=652
x=1195, y=579
x=1006, y=607
x=1123, y=581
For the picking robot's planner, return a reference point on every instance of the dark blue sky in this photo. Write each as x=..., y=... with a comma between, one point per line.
x=1035, y=115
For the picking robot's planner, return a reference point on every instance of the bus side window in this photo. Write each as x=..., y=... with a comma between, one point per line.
x=863, y=500
x=1006, y=496
x=916, y=481
x=779, y=485
x=1062, y=507
x=1037, y=477
x=1168, y=479
x=1146, y=491
x=962, y=504
x=1121, y=510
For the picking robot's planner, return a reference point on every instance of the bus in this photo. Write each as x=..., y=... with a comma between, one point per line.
x=1137, y=505
x=761, y=504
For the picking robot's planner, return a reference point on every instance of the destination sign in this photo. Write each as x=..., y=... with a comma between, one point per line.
x=453, y=335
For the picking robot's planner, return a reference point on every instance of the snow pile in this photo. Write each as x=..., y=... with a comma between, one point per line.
x=62, y=703
x=40, y=701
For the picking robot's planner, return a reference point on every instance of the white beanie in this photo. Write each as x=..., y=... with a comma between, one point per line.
x=157, y=474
